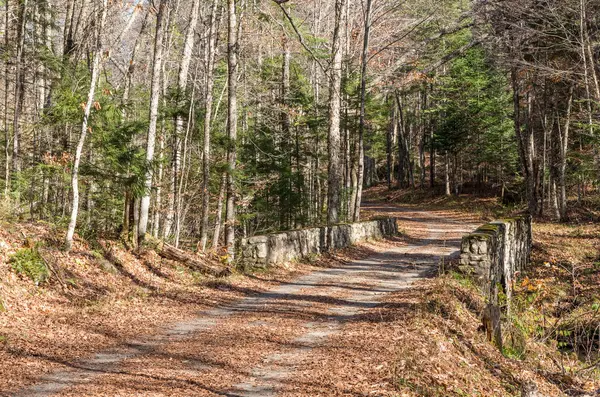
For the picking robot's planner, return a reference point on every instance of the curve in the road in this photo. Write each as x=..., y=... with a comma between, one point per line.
x=348, y=291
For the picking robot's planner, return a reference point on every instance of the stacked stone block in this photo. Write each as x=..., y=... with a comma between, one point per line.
x=262, y=251
x=495, y=252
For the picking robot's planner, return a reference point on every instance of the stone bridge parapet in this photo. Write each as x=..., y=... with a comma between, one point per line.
x=262, y=251
x=495, y=252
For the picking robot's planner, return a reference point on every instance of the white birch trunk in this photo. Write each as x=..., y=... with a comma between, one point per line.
x=84, y=129
x=154, y=100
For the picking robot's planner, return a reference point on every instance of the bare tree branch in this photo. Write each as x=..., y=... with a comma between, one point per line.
x=300, y=38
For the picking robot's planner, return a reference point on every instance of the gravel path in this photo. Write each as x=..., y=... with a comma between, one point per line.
x=256, y=346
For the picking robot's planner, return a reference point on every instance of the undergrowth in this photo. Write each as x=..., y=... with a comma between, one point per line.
x=539, y=344
x=441, y=352
x=553, y=325
x=29, y=262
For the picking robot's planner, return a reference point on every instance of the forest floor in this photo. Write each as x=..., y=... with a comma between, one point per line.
x=346, y=324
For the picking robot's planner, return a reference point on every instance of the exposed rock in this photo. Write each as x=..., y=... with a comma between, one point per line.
x=260, y=251
x=530, y=389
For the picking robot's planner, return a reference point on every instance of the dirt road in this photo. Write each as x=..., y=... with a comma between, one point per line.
x=302, y=338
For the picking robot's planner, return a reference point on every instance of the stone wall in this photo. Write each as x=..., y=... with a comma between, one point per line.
x=495, y=252
x=260, y=251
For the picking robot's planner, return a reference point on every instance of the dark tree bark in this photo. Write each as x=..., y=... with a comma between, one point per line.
x=209, y=59
x=525, y=145
x=333, y=137
x=563, y=143
x=390, y=133
x=182, y=78
x=360, y=153
x=19, y=96
x=232, y=116
x=175, y=254
x=7, y=150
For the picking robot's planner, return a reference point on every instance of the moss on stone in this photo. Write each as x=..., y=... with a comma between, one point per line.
x=489, y=227
x=479, y=236
x=484, y=232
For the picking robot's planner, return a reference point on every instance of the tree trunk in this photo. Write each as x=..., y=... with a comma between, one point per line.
x=232, y=117
x=182, y=78
x=126, y=216
x=447, y=173
x=19, y=85
x=422, y=136
x=544, y=166
x=288, y=212
x=209, y=58
x=158, y=201
x=84, y=128
x=363, y=97
x=6, y=89
x=410, y=162
x=586, y=67
x=219, y=217
x=525, y=145
x=76, y=25
x=175, y=254
x=179, y=215
x=554, y=198
x=136, y=221
x=132, y=65
x=317, y=188
x=564, y=145
x=69, y=31
x=156, y=212
x=431, y=155
x=402, y=169
x=154, y=100
x=333, y=137
x=390, y=133
x=129, y=199
x=422, y=171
